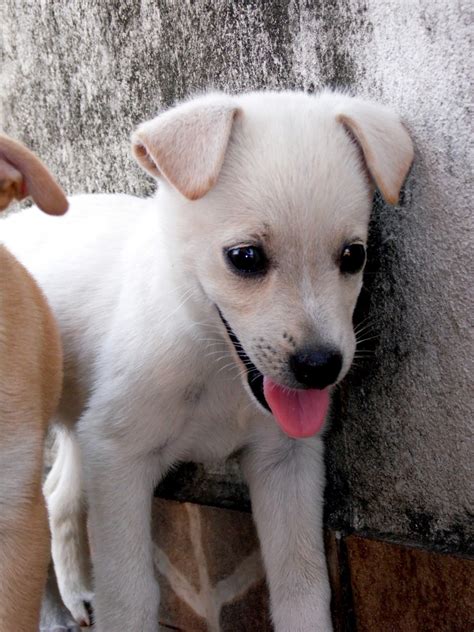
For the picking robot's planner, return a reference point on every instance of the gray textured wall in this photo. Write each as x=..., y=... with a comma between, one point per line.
x=76, y=77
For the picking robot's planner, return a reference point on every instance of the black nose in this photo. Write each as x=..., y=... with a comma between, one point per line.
x=316, y=369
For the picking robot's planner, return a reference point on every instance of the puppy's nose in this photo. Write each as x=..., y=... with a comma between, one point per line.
x=316, y=368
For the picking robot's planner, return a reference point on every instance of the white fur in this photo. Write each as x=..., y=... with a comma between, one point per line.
x=134, y=284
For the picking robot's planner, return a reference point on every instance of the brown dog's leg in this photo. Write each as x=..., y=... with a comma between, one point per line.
x=24, y=557
x=30, y=382
x=30, y=385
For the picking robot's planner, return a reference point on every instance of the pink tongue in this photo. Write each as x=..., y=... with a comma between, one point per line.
x=300, y=413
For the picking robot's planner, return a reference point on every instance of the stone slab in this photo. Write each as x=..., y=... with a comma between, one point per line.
x=406, y=589
x=209, y=568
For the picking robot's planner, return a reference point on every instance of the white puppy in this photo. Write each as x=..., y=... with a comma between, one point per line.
x=188, y=316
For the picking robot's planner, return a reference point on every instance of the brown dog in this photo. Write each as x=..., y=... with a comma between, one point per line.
x=30, y=384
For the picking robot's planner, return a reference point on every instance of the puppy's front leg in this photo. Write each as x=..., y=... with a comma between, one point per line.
x=286, y=479
x=120, y=495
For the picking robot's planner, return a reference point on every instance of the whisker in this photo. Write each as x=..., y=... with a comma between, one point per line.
x=226, y=366
x=184, y=301
x=212, y=341
x=367, y=339
x=218, y=358
x=364, y=325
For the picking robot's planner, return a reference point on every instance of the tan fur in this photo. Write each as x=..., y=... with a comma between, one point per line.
x=30, y=384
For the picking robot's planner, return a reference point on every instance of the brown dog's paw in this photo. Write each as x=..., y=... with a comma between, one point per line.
x=11, y=184
x=22, y=174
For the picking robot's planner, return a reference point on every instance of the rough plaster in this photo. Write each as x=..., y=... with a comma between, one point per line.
x=76, y=77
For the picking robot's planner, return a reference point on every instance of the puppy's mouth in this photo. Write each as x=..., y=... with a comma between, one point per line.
x=254, y=377
x=299, y=412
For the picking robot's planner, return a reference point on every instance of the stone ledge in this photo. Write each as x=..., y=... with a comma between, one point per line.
x=212, y=578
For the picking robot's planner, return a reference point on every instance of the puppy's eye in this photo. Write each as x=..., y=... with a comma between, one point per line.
x=248, y=260
x=352, y=258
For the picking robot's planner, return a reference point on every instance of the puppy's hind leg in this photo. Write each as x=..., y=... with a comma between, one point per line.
x=68, y=523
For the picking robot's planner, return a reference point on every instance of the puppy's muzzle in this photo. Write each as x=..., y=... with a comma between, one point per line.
x=316, y=368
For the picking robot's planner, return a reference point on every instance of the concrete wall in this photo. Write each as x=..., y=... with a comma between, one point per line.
x=76, y=77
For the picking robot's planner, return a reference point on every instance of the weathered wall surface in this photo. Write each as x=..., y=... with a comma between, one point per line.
x=75, y=78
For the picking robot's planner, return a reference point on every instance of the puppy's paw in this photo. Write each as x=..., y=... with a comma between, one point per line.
x=79, y=605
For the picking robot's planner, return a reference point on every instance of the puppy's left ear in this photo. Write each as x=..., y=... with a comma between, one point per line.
x=385, y=144
x=187, y=144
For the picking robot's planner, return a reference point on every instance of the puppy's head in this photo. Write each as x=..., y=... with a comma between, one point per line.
x=272, y=195
x=22, y=174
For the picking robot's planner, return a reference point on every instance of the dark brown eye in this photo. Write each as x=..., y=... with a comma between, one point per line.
x=352, y=258
x=247, y=260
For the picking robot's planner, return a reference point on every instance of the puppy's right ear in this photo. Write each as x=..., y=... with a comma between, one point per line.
x=22, y=174
x=187, y=144
x=384, y=141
